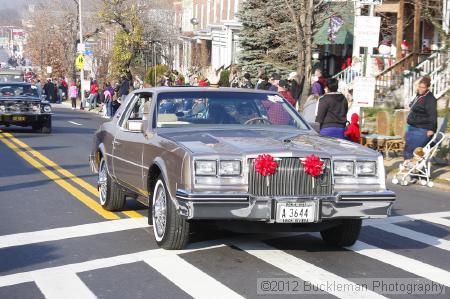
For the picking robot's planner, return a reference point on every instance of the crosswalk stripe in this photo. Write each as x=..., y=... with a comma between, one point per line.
x=302, y=269
x=440, y=221
x=405, y=263
x=62, y=284
x=416, y=236
x=72, y=232
x=22, y=277
x=190, y=279
x=436, y=217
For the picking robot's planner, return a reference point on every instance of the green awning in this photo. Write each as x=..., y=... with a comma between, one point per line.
x=344, y=36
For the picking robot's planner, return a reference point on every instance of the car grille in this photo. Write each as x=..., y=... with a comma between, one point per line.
x=289, y=180
x=17, y=106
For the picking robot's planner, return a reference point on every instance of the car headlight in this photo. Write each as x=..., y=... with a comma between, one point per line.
x=344, y=168
x=35, y=107
x=47, y=108
x=366, y=168
x=229, y=168
x=203, y=167
x=2, y=108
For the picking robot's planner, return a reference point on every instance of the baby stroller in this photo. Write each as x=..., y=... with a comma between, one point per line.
x=420, y=167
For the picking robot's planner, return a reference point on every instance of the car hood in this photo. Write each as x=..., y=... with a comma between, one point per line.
x=257, y=141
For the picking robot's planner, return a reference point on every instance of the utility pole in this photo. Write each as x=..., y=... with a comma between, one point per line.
x=81, y=47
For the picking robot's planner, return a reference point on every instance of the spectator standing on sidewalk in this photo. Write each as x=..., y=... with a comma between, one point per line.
x=294, y=86
x=108, y=93
x=263, y=82
x=49, y=90
x=124, y=89
x=332, y=112
x=353, y=132
x=422, y=118
x=73, y=93
x=317, y=87
x=93, y=95
x=247, y=82
x=274, y=80
x=283, y=89
x=39, y=88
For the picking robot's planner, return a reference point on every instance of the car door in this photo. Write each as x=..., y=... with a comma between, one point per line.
x=128, y=146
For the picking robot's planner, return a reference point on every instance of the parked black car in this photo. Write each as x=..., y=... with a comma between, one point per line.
x=21, y=105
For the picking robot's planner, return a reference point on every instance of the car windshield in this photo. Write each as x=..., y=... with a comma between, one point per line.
x=225, y=108
x=17, y=90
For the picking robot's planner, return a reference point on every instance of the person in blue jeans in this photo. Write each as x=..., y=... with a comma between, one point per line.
x=422, y=118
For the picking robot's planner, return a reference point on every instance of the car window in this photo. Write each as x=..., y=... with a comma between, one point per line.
x=225, y=108
x=17, y=90
x=135, y=109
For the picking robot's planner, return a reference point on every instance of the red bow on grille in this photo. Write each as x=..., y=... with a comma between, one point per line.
x=313, y=165
x=265, y=165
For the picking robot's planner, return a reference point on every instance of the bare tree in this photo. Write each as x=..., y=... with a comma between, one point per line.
x=307, y=16
x=141, y=25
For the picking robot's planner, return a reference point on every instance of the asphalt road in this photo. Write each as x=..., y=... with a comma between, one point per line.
x=55, y=241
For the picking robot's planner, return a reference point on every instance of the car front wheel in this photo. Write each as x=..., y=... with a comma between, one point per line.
x=170, y=229
x=111, y=196
x=344, y=234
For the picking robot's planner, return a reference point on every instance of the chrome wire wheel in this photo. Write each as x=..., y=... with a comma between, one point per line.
x=159, y=211
x=102, y=182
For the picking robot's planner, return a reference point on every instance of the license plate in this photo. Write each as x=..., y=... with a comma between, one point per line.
x=18, y=118
x=296, y=212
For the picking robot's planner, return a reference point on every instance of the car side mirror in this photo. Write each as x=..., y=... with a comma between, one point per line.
x=135, y=125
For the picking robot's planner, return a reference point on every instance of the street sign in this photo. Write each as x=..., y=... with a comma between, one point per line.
x=80, y=48
x=367, y=31
x=79, y=62
x=364, y=91
x=49, y=70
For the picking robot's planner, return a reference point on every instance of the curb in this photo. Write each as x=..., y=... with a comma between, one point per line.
x=392, y=170
x=69, y=105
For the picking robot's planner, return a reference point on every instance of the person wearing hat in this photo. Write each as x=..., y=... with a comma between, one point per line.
x=274, y=80
x=294, y=88
x=283, y=89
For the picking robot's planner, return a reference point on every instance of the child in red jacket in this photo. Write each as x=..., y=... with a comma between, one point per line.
x=352, y=133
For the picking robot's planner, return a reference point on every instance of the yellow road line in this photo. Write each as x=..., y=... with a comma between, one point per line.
x=82, y=183
x=89, y=202
x=133, y=214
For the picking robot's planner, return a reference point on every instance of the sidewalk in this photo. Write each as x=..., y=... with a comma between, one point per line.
x=440, y=173
x=68, y=104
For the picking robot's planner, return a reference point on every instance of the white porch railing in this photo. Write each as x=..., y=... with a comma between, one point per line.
x=437, y=66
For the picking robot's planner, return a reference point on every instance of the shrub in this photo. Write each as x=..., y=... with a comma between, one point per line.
x=159, y=69
x=224, y=78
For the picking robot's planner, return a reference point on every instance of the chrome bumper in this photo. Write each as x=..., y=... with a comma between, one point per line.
x=245, y=207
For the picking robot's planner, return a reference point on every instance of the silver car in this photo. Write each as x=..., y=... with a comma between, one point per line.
x=238, y=158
